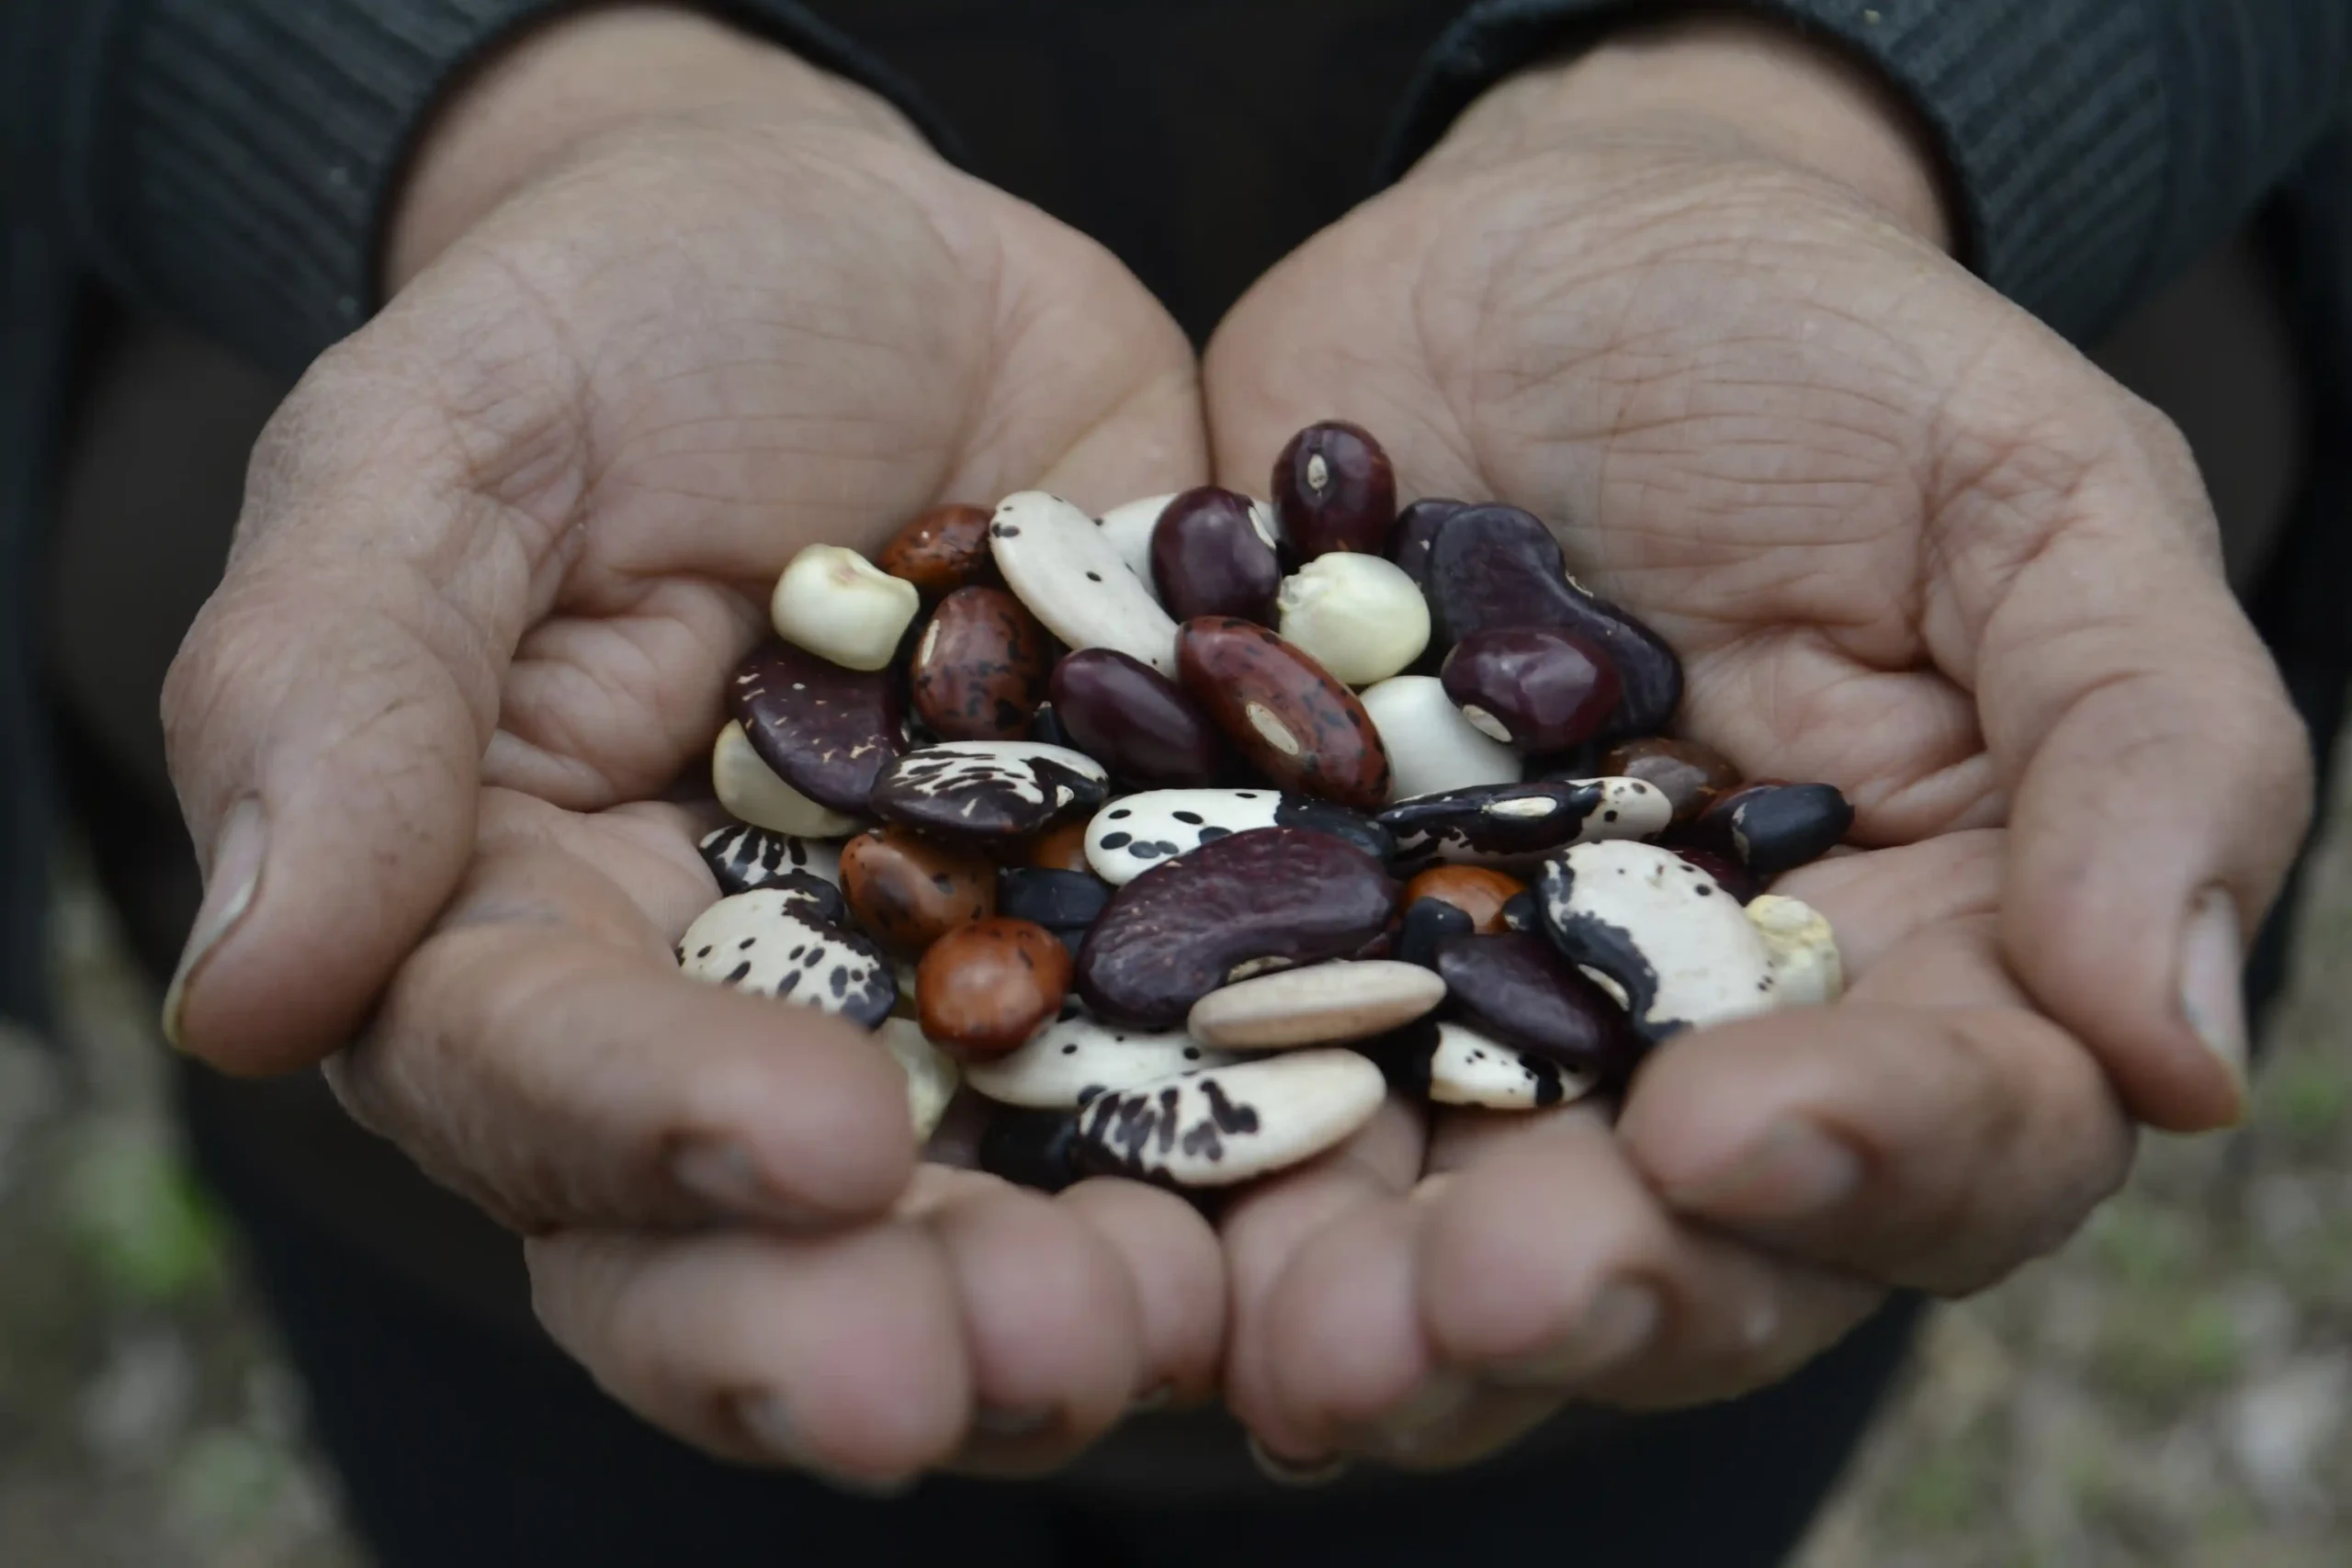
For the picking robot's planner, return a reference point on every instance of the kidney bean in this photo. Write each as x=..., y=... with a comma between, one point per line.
x=827, y=731
x=1416, y=531
x=1497, y=565
x=1534, y=688
x=978, y=670
x=1690, y=774
x=1213, y=553
x=984, y=988
x=1427, y=922
x=1518, y=989
x=909, y=891
x=1334, y=491
x=1283, y=712
x=1732, y=877
x=1268, y=898
x=1135, y=721
x=943, y=549
x=1770, y=827
x=1057, y=900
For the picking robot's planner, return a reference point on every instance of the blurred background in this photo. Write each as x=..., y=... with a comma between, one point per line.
x=2171, y=1389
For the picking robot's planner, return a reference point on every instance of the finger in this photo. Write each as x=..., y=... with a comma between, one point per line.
x=542, y=1054
x=844, y=1357
x=1598, y=1291
x=1931, y=1130
x=1263, y=1233
x=1176, y=1272
x=2161, y=782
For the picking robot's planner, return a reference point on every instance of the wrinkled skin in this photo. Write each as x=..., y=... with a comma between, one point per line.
x=1907, y=542
x=500, y=548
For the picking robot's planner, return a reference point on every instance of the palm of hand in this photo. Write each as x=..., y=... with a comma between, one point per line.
x=1889, y=523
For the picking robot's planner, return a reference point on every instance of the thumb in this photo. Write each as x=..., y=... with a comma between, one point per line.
x=2163, y=787
x=326, y=718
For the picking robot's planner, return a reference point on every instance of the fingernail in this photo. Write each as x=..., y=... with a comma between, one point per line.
x=1424, y=1413
x=1294, y=1472
x=2212, y=978
x=1794, y=1171
x=229, y=887
x=769, y=1424
x=1621, y=1320
x=722, y=1175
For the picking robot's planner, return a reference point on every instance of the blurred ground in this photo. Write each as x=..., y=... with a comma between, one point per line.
x=2171, y=1389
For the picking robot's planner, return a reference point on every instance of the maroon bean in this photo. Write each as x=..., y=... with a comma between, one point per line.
x=1416, y=531
x=943, y=549
x=1519, y=989
x=1732, y=877
x=1534, y=688
x=1283, y=712
x=1497, y=566
x=1688, y=773
x=1209, y=558
x=978, y=670
x=1335, y=491
x=1136, y=722
x=1268, y=898
x=827, y=731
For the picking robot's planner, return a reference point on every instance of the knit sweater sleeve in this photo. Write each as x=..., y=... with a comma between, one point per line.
x=231, y=162
x=2098, y=146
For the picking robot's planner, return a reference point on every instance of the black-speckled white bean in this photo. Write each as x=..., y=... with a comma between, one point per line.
x=758, y=942
x=1467, y=1068
x=1515, y=824
x=1129, y=526
x=1136, y=832
x=744, y=857
x=1059, y=562
x=1075, y=1059
x=1667, y=935
x=1231, y=1124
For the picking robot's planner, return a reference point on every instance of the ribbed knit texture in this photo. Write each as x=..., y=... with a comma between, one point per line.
x=2098, y=146
x=236, y=166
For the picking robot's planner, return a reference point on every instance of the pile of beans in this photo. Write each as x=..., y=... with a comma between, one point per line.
x=1184, y=833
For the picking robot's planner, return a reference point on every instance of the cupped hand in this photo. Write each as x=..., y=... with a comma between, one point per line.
x=1907, y=542
x=499, y=552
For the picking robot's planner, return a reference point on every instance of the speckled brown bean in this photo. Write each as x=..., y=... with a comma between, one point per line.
x=1136, y=722
x=1475, y=890
x=909, y=891
x=827, y=731
x=1299, y=726
x=943, y=549
x=1247, y=904
x=1335, y=491
x=1209, y=558
x=1688, y=773
x=978, y=670
x=1060, y=849
x=985, y=988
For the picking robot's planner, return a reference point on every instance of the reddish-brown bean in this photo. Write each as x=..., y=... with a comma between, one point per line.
x=1209, y=558
x=943, y=549
x=1690, y=773
x=1335, y=491
x=1479, y=892
x=1283, y=712
x=985, y=988
x=1059, y=849
x=909, y=891
x=978, y=670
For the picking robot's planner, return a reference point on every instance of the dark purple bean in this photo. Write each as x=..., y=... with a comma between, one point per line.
x=1497, y=565
x=1136, y=722
x=977, y=672
x=1265, y=900
x=1335, y=491
x=1428, y=921
x=1416, y=531
x=1732, y=877
x=1209, y=558
x=1283, y=712
x=1521, y=913
x=1403, y=1055
x=988, y=792
x=1030, y=1148
x=827, y=731
x=1770, y=827
x=1046, y=726
x=1057, y=900
x=1518, y=990
x=1535, y=689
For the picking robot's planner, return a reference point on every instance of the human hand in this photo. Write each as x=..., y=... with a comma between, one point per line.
x=1687, y=298
x=670, y=305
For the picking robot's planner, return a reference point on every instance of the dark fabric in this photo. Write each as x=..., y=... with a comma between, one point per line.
x=229, y=161
x=2098, y=146
x=461, y=1447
